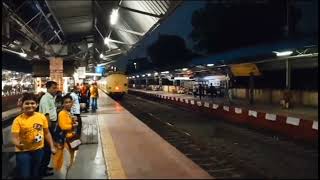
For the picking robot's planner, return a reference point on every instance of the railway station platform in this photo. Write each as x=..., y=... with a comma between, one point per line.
x=127, y=148
x=297, y=123
x=132, y=150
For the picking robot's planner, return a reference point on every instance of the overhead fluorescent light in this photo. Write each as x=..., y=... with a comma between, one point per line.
x=92, y=74
x=137, y=76
x=143, y=75
x=184, y=69
x=209, y=65
x=23, y=54
x=149, y=74
x=36, y=56
x=182, y=78
x=217, y=77
x=114, y=16
x=284, y=53
x=165, y=72
x=17, y=42
x=156, y=74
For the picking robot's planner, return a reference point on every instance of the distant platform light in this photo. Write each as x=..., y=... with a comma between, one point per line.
x=156, y=74
x=165, y=72
x=143, y=75
x=137, y=76
x=148, y=74
x=184, y=69
x=210, y=65
x=284, y=53
x=101, y=55
x=114, y=16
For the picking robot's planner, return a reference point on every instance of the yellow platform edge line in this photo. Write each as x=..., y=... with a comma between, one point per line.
x=112, y=161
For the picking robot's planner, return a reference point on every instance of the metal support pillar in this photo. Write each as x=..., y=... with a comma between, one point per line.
x=147, y=83
x=288, y=75
x=251, y=87
x=32, y=18
x=160, y=81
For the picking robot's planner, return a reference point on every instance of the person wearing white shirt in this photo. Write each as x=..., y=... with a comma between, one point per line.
x=75, y=110
x=48, y=108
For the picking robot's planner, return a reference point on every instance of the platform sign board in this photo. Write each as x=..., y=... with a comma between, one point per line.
x=245, y=69
x=81, y=72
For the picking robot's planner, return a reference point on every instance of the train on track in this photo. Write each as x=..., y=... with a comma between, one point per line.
x=115, y=84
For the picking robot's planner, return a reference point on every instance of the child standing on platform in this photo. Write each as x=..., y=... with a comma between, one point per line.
x=28, y=133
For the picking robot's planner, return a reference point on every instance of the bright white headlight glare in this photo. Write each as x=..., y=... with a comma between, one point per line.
x=209, y=65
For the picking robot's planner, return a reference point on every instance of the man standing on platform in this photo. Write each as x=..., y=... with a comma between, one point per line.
x=94, y=96
x=201, y=89
x=75, y=109
x=48, y=108
x=84, y=96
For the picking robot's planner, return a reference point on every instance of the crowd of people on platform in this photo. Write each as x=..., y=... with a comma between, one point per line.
x=204, y=90
x=48, y=123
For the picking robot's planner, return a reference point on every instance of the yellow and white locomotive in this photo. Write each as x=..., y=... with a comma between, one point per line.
x=115, y=84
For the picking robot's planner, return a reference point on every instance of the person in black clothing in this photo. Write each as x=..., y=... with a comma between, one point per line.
x=201, y=89
x=59, y=101
x=212, y=90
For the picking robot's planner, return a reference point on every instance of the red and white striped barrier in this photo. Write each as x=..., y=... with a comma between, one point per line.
x=290, y=126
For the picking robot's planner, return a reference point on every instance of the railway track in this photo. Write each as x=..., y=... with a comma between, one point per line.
x=218, y=163
x=223, y=149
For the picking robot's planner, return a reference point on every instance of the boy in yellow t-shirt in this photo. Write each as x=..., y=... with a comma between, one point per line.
x=28, y=133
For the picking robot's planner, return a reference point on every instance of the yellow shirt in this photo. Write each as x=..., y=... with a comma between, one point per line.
x=30, y=130
x=65, y=123
x=93, y=91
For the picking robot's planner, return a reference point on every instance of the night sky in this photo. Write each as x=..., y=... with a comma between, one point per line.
x=179, y=23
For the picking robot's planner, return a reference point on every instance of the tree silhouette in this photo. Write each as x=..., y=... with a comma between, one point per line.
x=223, y=26
x=169, y=51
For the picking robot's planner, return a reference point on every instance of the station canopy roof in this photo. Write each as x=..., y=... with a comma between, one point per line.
x=89, y=32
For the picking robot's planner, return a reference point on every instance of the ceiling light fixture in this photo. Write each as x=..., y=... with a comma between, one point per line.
x=284, y=53
x=114, y=16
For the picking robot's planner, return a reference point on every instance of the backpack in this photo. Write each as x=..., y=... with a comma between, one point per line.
x=58, y=135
